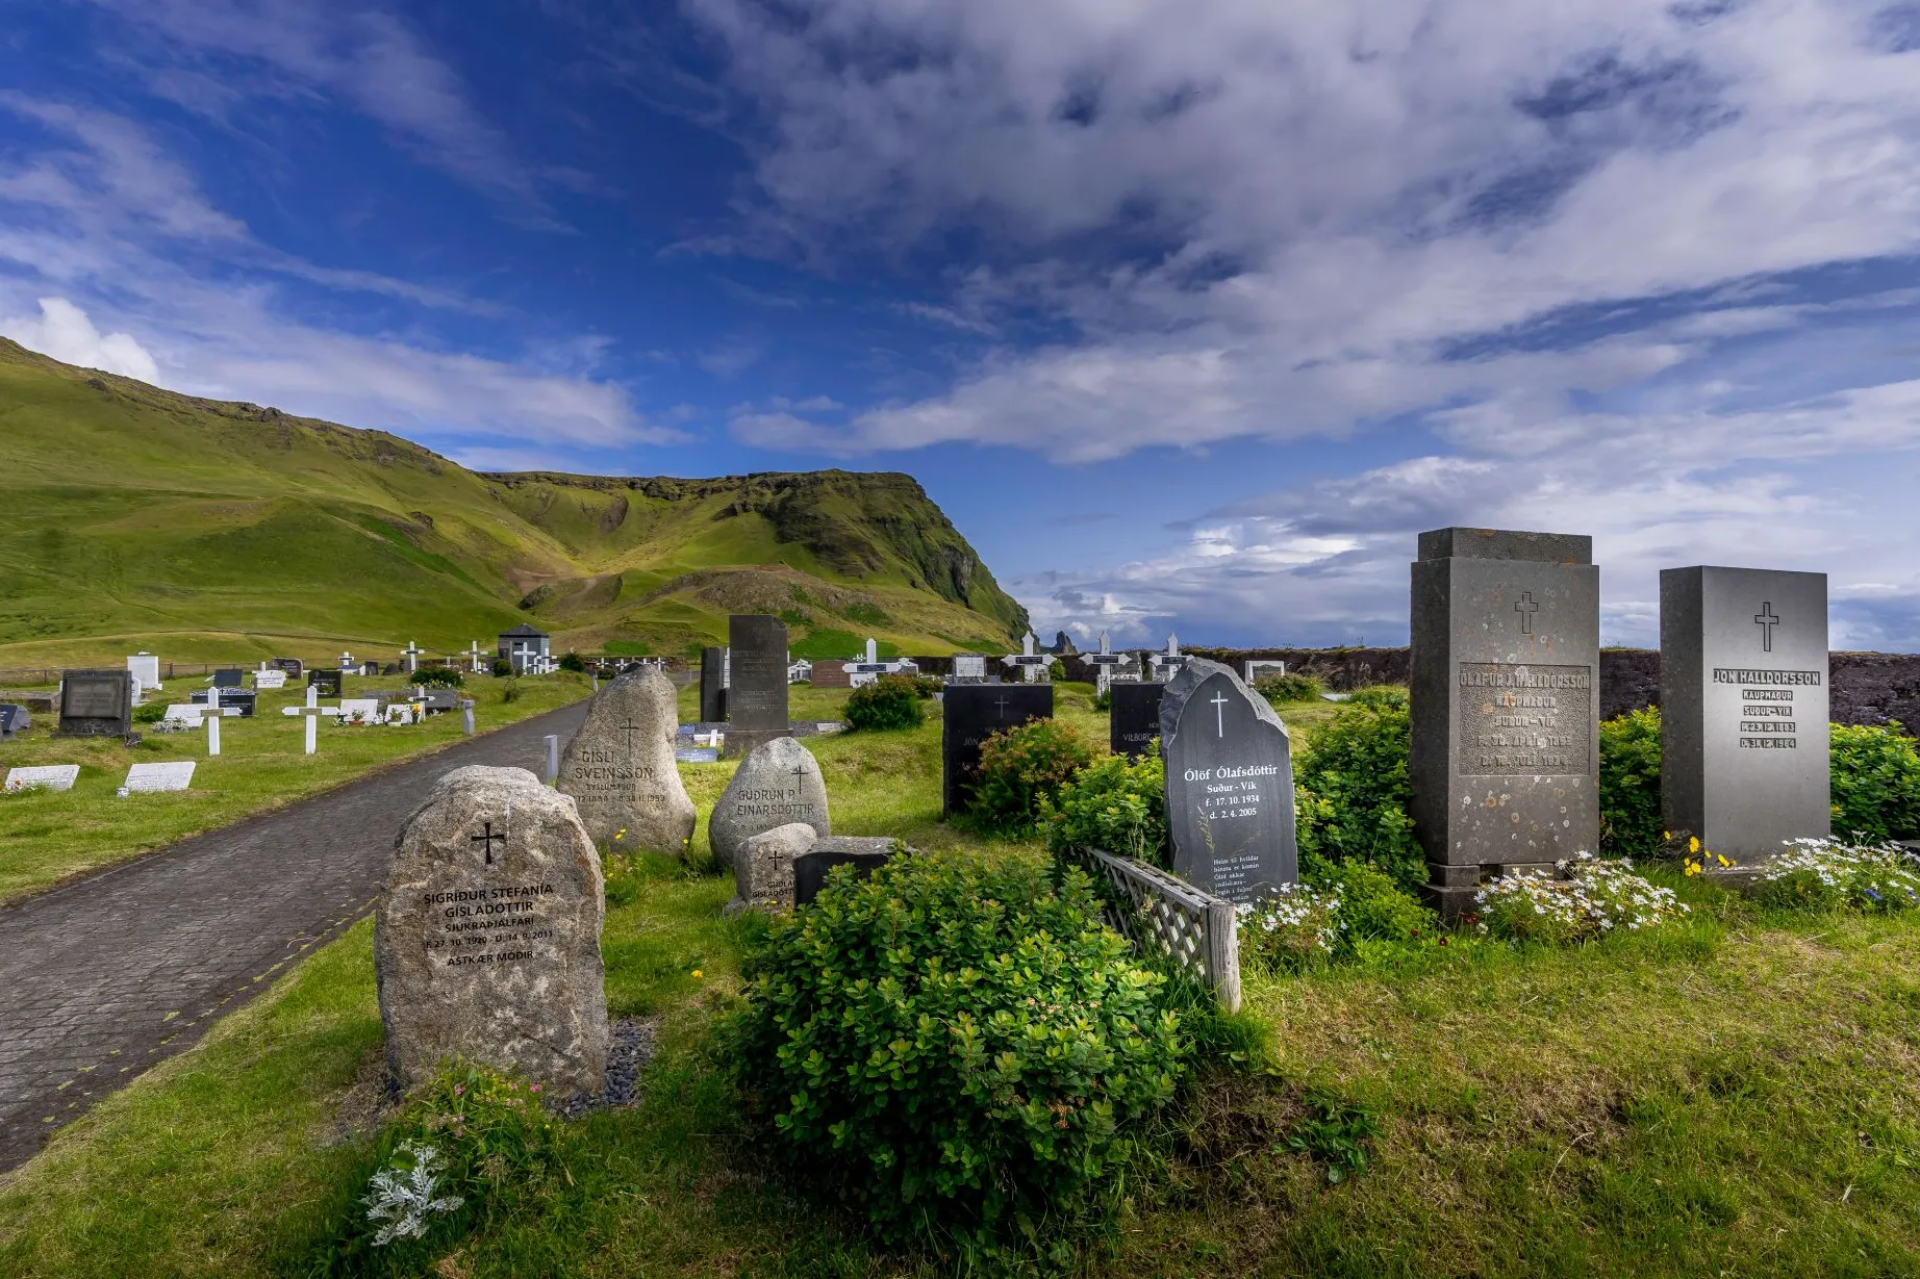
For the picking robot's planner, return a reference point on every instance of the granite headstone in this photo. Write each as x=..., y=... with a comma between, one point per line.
x=13, y=719
x=1229, y=784
x=865, y=853
x=168, y=776
x=620, y=768
x=971, y=714
x=1133, y=717
x=325, y=683
x=229, y=677
x=757, y=682
x=1743, y=707
x=713, y=683
x=779, y=783
x=96, y=703
x=486, y=938
x=1505, y=669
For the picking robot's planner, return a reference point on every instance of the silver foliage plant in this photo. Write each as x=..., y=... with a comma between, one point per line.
x=402, y=1197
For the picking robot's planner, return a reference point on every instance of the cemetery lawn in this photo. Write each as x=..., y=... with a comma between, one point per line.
x=47, y=837
x=1732, y=1096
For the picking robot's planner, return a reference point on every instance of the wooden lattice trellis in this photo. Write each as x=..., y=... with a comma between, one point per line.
x=1194, y=928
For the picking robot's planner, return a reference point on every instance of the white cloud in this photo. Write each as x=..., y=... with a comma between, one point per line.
x=63, y=331
x=1276, y=220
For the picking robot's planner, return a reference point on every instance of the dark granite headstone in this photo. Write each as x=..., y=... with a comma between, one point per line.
x=1134, y=716
x=13, y=719
x=293, y=666
x=973, y=713
x=96, y=703
x=229, y=678
x=245, y=699
x=1505, y=669
x=1229, y=784
x=713, y=685
x=810, y=869
x=327, y=683
x=757, y=684
x=1743, y=707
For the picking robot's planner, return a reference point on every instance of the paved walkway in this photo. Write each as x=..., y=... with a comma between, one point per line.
x=106, y=976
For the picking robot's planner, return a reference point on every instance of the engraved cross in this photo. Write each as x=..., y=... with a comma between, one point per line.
x=1219, y=703
x=1766, y=621
x=1000, y=704
x=1526, y=608
x=629, y=728
x=487, y=841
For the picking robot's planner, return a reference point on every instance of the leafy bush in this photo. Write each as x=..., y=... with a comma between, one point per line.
x=501, y=668
x=960, y=1048
x=1630, y=783
x=572, y=661
x=152, y=713
x=1876, y=783
x=1117, y=805
x=890, y=702
x=1352, y=791
x=1374, y=907
x=1022, y=765
x=1057, y=671
x=1589, y=898
x=470, y=1145
x=1291, y=687
x=926, y=686
x=438, y=677
x=1824, y=874
x=1338, y=1132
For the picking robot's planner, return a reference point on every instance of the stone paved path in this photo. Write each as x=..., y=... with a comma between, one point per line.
x=101, y=979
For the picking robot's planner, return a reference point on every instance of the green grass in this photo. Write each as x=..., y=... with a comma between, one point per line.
x=48, y=836
x=1731, y=1096
x=152, y=519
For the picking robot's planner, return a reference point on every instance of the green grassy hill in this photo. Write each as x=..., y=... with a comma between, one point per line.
x=213, y=531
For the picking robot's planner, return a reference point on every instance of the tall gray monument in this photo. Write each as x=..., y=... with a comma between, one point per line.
x=1743, y=707
x=757, y=682
x=1229, y=784
x=1505, y=702
x=713, y=684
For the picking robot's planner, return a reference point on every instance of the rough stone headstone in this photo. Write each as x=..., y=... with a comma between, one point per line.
x=13, y=719
x=96, y=703
x=1505, y=670
x=777, y=784
x=1229, y=784
x=486, y=939
x=763, y=867
x=620, y=768
x=1133, y=717
x=756, y=682
x=971, y=714
x=865, y=853
x=1743, y=707
x=713, y=683
x=325, y=683
x=44, y=777
x=169, y=776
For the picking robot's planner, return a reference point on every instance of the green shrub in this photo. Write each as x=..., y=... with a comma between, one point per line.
x=572, y=661
x=510, y=691
x=926, y=686
x=1103, y=700
x=438, y=677
x=1117, y=805
x=890, y=702
x=1020, y=766
x=1374, y=907
x=152, y=713
x=1876, y=784
x=501, y=668
x=1057, y=671
x=1291, y=687
x=1352, y=791
x=1630, y=783
x=962, y=1049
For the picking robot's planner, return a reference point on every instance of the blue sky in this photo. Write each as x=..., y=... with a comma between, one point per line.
x=1191, y=315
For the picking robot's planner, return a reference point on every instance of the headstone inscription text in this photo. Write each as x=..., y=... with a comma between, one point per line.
x=1525, y=719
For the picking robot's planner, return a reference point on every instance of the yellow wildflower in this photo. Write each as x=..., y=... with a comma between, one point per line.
x=1693, y=843
x=698, y=974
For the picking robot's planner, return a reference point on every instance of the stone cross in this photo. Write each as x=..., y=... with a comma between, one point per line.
x=1526, y=608
x=1766, y=621
x=1000, y=705
x=630, y=728
x=1026, y=645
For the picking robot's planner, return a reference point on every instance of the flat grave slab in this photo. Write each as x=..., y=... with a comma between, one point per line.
x=44, y=777
x=169, y=776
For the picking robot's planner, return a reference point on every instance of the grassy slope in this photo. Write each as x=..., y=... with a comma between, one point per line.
x=139, y=513
x=47, y=836
x=1733, y=1097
